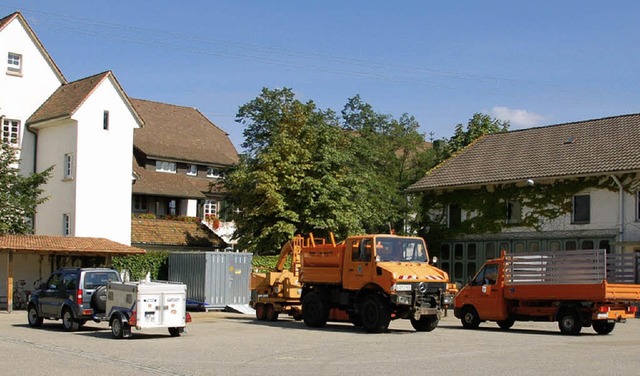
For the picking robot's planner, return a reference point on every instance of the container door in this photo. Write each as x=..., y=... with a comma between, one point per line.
x=149, y=310
x=173, y=309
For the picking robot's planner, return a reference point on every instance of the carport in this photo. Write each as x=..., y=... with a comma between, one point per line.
x=34, y=257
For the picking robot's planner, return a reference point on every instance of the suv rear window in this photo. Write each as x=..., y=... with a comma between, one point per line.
x=92, y=280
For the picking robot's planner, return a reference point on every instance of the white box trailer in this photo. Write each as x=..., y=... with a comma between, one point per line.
x=146, y=304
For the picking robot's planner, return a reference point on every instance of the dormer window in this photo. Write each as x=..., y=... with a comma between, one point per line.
x=214, y=173
x=164, y=166
x=193, y=170
x=14, y=63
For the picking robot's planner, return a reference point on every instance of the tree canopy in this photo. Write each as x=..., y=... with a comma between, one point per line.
x=19, y=194
x=311, y=170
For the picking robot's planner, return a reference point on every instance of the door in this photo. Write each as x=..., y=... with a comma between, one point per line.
x=173, y=309
x=52, y=297
x=357, y=269
x=484, y=292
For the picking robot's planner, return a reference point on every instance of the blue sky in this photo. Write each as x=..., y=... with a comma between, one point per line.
x=533, y=63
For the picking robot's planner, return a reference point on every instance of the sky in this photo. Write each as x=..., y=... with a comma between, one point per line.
x=533, y=63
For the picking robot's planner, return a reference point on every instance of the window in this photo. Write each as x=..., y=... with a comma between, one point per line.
x=66, y=224
x=454, y=215
x=214, y=173
x=68, y=166
x=638, y=206
x=11, y=131
x=164, y=166
x=14, y=63
x=140, y=203
x=514, y=212
x=210, y=208
x=193, y=170
x=581, y=209
x=105, y=120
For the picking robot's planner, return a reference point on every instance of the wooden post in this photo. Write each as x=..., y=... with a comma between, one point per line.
x=10, y=281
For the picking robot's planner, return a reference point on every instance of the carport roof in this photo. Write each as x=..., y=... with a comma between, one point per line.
x=65, y=245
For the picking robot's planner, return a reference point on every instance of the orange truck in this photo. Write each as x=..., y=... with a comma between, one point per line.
x=371, y=279
x=575, y=288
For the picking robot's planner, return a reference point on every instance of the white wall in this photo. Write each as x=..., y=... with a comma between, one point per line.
x=20, y=96
x=103, y=166
x=54, y=141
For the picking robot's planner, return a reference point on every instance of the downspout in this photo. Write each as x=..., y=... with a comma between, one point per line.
x=620, y=208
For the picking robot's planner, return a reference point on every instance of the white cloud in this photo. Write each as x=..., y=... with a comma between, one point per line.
x=518, y=119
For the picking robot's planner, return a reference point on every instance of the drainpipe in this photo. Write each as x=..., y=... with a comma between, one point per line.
x=620, y=208
x=35, y=164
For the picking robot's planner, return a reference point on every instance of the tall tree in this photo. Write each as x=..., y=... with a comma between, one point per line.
x=19, y=195
x=478, y=125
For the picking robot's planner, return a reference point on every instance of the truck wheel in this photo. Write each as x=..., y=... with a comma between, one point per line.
x=603, y=327
x=375, y=315
x=261, y=313
x=32, y=315
x=425, y=323
x=355, y=319
x=506, y=324
x=270, y=313
x=117, y=328
x=68, y=322
x=315, y=312
x=569, y=323
x=470, y=318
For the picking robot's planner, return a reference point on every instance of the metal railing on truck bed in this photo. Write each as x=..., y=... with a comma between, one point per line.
x=572, y=267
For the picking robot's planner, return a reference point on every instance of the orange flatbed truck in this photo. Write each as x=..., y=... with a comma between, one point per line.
x=372, y=279
x=575, y=288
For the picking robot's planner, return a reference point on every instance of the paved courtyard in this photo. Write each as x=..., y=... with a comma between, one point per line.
x=233, y=344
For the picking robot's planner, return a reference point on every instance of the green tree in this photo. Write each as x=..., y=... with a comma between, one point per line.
x=478, y=125
x=19, y=195
x=308, y=170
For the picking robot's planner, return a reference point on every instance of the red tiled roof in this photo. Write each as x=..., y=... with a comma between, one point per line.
x=65, y=244
x=183, y=134
x=600, y=146
x=175, y=233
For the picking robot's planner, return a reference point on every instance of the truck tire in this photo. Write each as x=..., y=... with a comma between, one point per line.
x=470, y=318
x=261, y=313
x=569, y=322
x=68, y=322
x=270, y=313
x=425, y=323
x=315, y=311
x=99, y=299
x=603, y=327
x=32, y=315
x=506, y=324
x=374, y=314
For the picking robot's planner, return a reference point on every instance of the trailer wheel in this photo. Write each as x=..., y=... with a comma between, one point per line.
x=470, y=318
x=603, y=327
x=270, y=313
x=425, y=323
x=175, y=332
x=261, y=313
x=506, y=324
x=569, y=323
x=117, y=328
x=315, y=312
x=375, y=314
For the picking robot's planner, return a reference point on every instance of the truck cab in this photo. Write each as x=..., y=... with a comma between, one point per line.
x=484, y=293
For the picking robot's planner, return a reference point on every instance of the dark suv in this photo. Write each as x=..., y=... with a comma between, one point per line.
x=74, y=295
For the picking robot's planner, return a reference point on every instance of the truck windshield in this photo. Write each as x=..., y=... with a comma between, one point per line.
x=400, y=249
